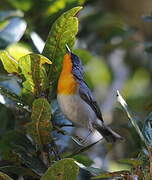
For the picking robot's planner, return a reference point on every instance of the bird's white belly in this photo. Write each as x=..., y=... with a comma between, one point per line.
x=77, y=110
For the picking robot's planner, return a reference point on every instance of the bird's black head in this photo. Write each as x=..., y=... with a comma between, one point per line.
x=77, y=68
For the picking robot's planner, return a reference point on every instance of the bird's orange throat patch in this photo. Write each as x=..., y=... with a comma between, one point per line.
x=67, y=83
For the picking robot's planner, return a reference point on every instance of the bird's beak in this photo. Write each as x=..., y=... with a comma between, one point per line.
x=68, y=49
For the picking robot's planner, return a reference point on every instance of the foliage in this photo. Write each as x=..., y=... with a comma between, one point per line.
x=35, y=78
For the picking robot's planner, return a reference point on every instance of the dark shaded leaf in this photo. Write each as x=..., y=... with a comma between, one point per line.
x=18, y=170
x=7, y=119
x=4, y=176
x=16, y=147
x=61, y=170
x=32, y=161
x=40, y=127
x=62, y=32
x=10, y=139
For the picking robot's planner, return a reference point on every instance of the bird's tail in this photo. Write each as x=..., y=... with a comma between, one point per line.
x=108, y=133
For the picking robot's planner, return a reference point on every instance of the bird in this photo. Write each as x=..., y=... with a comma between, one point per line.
x=76, y=100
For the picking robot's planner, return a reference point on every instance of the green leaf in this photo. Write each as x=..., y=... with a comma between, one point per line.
x=65, y=169
x=117, y=174
x=130, y=116
x=40, y=127
x=7, y=119
x=4, y=176
x=16, y=147
x=62, y=32
x=132, y=162
x=18, y=50
x=81, y=158
x=31, y=160
x=36, y=81
x=147, y=129
x=18, y=170
x=11, y=139
x=10, y=64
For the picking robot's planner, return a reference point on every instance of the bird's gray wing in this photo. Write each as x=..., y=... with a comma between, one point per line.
x=87, y=96
x=84, y=91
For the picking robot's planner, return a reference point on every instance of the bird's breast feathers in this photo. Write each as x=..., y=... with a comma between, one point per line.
x=76, y=110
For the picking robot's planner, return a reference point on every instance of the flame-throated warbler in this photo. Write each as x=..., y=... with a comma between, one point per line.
x=76, y=100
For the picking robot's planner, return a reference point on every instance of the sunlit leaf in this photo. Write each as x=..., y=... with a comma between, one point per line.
x=147, y=129
x=4, y=176
x=62, y=32
x=18, y=50
x=9, y=63
x=36, y=80
x=61, y=170
x=40, y=127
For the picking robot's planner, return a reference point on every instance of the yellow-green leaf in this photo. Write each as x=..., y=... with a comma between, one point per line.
x=4, y=176
x=18, y=50
x=40, y=127
x=9, y=63
x=65, y=169
x=62, y=32
x=36, y=80
x=117, y=174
